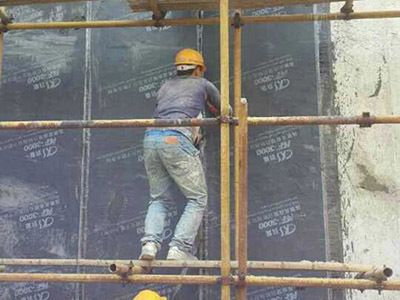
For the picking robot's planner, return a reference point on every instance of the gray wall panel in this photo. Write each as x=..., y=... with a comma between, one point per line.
x=115, y=73
x=40, y=173
x=128, y=67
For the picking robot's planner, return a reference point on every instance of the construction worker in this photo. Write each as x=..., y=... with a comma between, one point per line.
x=170, y=156
x=148, y=295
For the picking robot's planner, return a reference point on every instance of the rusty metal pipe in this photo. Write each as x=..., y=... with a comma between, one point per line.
x=111, y=24
x=225, y=142
x=237, y=91
x=181, y=5
x=240, y=165
x=207, y=280
x=31, y=2
x=112, y=278
x=141, y=5
x=243, y=201
x=206, y=21
x=254, y=265
x=252, y=121
x=3, y=18
x=320, y=17
x=1, y=55
x=360, y=284
x=324, y=120
x=125, y=123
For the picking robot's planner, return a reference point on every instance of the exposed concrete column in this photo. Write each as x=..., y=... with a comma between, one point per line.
x=367, y=76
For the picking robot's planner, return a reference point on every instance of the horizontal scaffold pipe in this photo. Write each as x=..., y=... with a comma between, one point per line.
x=205, y=21
x=252, y=121
x=112, y=24
x=112, y=278
x=359, y=284
x=124, y=123
x=266, y=265
x=168, y=5
x=320, y=17
x=33, y=2
x=324, y=120
x=203, y=279
x=182, y=5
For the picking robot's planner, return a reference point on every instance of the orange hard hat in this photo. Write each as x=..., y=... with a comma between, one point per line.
x=189, y=56
x=148, y=295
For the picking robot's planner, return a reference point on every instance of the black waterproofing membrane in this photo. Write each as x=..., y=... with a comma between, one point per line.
x=84, y=193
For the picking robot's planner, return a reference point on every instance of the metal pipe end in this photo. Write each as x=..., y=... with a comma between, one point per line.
x=120, y=269
x=376, y=274
x=112, y=268
x=237, y=20
x=388, y=272
x=125, y=270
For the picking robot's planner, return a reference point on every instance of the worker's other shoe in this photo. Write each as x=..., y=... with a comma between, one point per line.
x=149, y=251
x=175, y=253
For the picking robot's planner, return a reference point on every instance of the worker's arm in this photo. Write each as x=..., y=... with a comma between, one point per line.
x=160, y=92
x=214, y=100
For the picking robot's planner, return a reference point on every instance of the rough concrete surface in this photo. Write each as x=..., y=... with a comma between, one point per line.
x=367, y=76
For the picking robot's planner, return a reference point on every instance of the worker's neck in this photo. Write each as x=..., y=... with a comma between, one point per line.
x=190, y=75
x=196, y=73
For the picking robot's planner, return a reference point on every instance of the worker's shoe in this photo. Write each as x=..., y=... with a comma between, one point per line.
x=175, y=253
x=149, y=251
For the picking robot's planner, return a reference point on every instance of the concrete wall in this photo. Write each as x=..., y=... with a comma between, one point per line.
x=366, y=71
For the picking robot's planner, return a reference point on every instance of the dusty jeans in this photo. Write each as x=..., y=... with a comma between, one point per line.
x=170, y=157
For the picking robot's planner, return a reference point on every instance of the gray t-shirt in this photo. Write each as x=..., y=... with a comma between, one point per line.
x=187, y=97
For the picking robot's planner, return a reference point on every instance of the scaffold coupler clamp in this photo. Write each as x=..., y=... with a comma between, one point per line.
x=228, y=120
x=241, y=279
x=5, y=20
x=226, y=280
x=347, y=10
x=379, y=288
x=158, y=19
x=237, y=20
x=122, y=270
x=367, y=124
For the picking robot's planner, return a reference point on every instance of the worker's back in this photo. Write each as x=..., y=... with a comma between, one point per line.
x=185, y=97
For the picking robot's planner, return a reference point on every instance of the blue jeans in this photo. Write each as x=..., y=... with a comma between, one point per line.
x=170, y=157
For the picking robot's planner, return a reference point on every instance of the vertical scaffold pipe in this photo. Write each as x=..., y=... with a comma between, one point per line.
x=1, y=46
x=1, y=55
x=240, y=163
x=225, y=169
x=237, y=90
x=242, y=206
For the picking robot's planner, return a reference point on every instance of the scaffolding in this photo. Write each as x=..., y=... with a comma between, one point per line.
x=233, y=273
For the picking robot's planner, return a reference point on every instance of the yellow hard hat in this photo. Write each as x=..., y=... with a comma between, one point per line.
x=148, y=295
x=189, y=56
